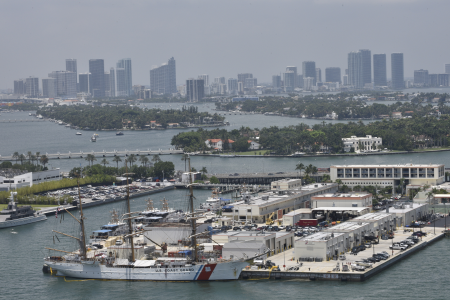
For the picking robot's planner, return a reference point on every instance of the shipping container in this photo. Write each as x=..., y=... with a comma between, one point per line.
x=307, y=222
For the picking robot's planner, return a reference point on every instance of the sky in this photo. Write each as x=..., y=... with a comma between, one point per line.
x=219, y=38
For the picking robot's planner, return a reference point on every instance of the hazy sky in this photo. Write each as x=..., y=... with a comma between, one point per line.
x=219, y=38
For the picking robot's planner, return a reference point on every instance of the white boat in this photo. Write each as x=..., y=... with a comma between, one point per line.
x=212, y=203
x=78, y=133
x=15, y=216
x=298, y=154
x=191, y=267
x=93, y=138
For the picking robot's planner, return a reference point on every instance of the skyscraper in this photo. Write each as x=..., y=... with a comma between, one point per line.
x=205, y=78
x=66, y=83
x=20, y=87
x=84, y=82
x=447, y=68
x=243, y=76
x=128, y=78
x=355, y=69
x=163, y=78
x=71, y=66
x=120, y=79
x=107, y=83
x=366, y=66
x=293, y=69
x=398, y=80
x=318, y=75
x=290, y=80
x=379, y=70
x=194, y=89
x=32, y=85
x=97, y=78
x=276, y=81
x=309, y=70
x=49, y=87
x=112, y=83
x=333, y=74
x=232, y=86
x=421, y=78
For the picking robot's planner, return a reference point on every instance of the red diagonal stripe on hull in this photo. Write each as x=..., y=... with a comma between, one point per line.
x=206, y=272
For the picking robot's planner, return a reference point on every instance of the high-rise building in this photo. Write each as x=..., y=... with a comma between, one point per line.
x=84, y=82
x=163, y=78
x=128, y=78
x=120, y=79
x=308, y=83
x=345, y=80
x=433, y=80
x=443, y=79
x=71, y=66
x=194, y=89
x=97, y=78
x=32, y=85
x=421, y=78
x=276, y=81
x=20, y=87
x=292, y=69
x=355, y=70
x=107, y=84
x=309, y=70
x=66, y=83
x=333, y=74
x=243, y=76
x=447, y=68
x=205, y=78
x=290, y=80
x=232, y=86
x=250, y=83
x=398, y=80
x=379, y=70
x=112, y=83
x=318, y=75
x=49, y=87
x=300, y=81
x=366, y=66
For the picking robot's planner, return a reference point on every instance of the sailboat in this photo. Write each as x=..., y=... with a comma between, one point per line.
x=191, y=267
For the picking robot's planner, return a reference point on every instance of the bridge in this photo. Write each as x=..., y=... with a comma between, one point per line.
x=83, y=154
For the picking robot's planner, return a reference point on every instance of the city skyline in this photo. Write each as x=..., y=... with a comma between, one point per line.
x=233, y=51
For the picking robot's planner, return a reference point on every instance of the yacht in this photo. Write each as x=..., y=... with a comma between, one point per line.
x=93, y=138
x=119, y=133
x=78, y=133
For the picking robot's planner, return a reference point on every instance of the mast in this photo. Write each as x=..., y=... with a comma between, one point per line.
x=193, y=219
x=83, y=235
x=129, y=213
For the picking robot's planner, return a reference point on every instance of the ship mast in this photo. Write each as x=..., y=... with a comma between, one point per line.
x=130, y=227
x=193, y=219
x=83, y=235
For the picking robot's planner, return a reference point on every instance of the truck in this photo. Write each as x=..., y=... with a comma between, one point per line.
x=397, y=247
x=307, y=222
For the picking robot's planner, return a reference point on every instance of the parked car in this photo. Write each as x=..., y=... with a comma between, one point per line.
x=397, y=247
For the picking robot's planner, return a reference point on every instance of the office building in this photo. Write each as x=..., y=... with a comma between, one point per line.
x=293, y=70
x=205, y=78
x=232, y=86
x=318, y=75
x=127, y=78
x=300, y=81
x=308, y=83
x=398, y=80
x=66, y=83
x=163, y=79
x=388, y=175
x=290, y=81
x=447, y=68
x=112, y=83
x=433, y=80
x=120, y=79
x=71, y=66
x=195, y=89
x=240, y=87
x=379, y=70
x=250, y=83
x=32, y=86
x=309, y=70
x=443, y=79
x=366, y=66
x=276, y=81
x=243, y=76
x=345, y=80
x=421, y=78
x=49, y=88
x=333, y=74
x=20, y=87
x=107, y=84
x=83, y=79
x=355, y=70
x=97, y=78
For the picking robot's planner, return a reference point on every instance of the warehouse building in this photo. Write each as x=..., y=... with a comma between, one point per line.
x=408, y=213
x=361, y=199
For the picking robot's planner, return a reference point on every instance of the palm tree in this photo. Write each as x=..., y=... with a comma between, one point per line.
x=204, y=171
x=44, y=160
x=90, y=158
x=22, y=158
x=105, y=162
x=132, y=158
x=144, y=160
x=325, y=178
x=29, y=153
x=339, y=182
x=429, y=195
x=15, y=156
x=300, y=167
x=117, y=159
x=185, y=157
x=38, y=154
x=33, y=158
x=156, y=158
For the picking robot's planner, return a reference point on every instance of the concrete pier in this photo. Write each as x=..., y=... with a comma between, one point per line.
x=324, y=270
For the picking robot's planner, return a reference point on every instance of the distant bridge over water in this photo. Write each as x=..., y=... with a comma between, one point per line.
x=83, y=154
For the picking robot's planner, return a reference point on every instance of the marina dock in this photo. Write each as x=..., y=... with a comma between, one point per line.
x=326, y=270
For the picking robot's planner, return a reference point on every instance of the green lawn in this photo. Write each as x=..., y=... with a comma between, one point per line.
x=35, y=206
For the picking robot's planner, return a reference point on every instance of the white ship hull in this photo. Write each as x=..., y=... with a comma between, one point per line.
x=22, y=221
x=200, y=272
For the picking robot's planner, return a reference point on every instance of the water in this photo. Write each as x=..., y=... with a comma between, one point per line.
x=423, y=274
